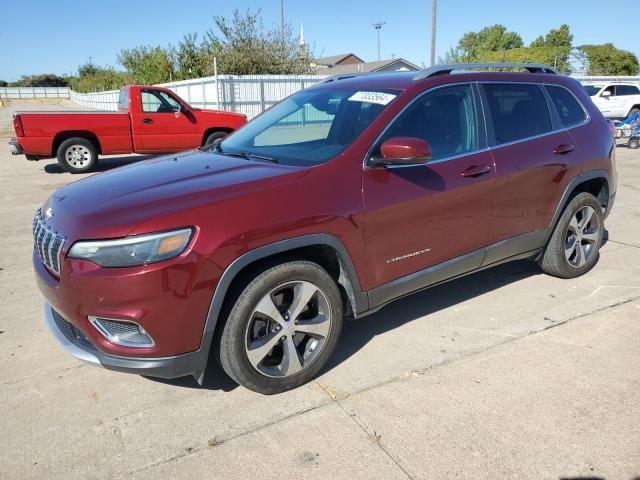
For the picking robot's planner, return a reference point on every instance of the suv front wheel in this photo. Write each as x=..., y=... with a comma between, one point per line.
x=574, y=246
x=282, y=328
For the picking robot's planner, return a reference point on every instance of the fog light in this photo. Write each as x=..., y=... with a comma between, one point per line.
x=122, y=332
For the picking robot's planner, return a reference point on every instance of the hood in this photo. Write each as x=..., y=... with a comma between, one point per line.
x=113, y=203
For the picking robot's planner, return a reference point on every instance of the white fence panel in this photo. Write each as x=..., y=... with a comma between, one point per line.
x=247, y=94
x=592, y=80
x=99, y=100
x=18, y=93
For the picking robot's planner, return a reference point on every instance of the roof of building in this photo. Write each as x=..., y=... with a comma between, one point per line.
x=335, y=59
x=370, y=66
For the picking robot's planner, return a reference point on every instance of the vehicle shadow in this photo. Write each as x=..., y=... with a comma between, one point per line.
x=357, y=333
x=104, y=164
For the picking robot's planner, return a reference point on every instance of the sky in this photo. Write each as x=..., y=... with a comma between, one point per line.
x=45, y=36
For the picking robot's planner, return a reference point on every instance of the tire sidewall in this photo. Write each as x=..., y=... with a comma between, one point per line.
x=212, y=137
x=633, y=144
x=558, y=240
x=64, y=146
x=233, y=357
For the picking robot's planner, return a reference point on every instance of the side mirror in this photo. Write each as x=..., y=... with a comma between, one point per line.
x=403, y=151
x=606, y=93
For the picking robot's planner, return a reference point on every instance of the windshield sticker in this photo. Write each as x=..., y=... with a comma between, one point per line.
x=372, y=97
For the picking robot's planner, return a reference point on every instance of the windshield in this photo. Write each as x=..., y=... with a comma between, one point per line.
x=310, y=127
x=591, y=89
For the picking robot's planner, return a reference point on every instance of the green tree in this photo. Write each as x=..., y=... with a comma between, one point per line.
x=607, y=60
x=193, y=60
x=559, y=43
x=3, y=83
x=148, y=65
x=242, y=46
x=92, y=78
x=41, y=80
x=473, y=45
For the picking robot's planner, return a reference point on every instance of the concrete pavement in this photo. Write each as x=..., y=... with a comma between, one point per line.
x=507, y=373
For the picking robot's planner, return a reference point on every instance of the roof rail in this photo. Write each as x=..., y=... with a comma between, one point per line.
x=447, y=69
x=344, y=76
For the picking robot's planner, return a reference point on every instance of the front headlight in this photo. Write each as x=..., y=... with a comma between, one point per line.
x=133, y=251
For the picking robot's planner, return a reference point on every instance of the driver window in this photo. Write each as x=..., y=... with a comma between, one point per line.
x=445, y=118
x=155, y=101
x=610, y=89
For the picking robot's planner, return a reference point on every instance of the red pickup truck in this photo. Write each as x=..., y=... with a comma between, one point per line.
x=149, y=120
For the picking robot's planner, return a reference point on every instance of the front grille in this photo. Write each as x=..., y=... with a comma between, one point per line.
x=48, y=243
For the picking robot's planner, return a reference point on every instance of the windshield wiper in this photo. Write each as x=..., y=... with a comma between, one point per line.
x=247, y=155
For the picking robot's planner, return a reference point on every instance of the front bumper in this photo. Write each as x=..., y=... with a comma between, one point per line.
x=75, y=343
x=14, y=147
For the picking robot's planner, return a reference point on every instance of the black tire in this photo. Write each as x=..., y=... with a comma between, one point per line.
x=234, y=338
x=212, y=137
x=555, y=260
x=633, y=143
x=77, y=155
x=633, y=111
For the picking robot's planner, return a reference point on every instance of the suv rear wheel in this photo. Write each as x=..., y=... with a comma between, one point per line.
x=282, y=328
x=574, y=246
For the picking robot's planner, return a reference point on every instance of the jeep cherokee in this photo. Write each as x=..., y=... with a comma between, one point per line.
x=336, y=201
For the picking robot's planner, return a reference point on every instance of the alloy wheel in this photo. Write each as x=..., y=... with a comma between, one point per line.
x=582, y=234
x=288, y=329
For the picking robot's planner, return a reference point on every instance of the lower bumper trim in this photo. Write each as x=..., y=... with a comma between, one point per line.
x=192, y=363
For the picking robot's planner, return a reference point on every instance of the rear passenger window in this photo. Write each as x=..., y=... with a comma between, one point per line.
x=627, y=90
x=517, y=111
x=570, y=111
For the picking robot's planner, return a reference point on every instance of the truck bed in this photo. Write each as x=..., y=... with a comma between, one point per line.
x=113, y=129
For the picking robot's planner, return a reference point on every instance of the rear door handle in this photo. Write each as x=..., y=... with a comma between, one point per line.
x=476, y=171
x=564, y=149
x=147, y=120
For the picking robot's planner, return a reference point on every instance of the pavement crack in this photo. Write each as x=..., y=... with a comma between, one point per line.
x=375, y=437
x=623, y=243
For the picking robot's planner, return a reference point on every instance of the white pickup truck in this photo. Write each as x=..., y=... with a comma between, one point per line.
x=615, y=100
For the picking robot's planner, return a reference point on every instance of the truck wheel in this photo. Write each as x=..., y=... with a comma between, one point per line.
x=212, y=137
x=574, y=246
x=633, y=143
x=633, y=111
x=77, y=155
x=282, y=328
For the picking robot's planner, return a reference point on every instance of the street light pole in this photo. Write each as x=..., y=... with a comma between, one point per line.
x=434, y=5
x=378, y=27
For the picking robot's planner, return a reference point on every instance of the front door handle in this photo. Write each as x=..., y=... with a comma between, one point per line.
x=147, y=120
x=476, y=171
x=564, y=149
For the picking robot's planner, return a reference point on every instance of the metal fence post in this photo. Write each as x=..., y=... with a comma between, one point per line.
x=261, y=85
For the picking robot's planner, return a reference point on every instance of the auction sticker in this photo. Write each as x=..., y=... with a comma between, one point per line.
x=372, y=97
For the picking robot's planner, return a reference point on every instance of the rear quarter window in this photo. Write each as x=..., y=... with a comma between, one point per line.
x=517, y=111
x=569, y=109
x=123, y=99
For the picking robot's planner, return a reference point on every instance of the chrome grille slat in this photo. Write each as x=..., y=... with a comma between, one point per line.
x=48, y=243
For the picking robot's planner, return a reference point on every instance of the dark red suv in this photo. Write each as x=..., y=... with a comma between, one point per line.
x=334, y=202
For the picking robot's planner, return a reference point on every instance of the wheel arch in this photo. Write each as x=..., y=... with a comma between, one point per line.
x=324, y=249
x=595, y=182
x=211, y=130
x=67, y=134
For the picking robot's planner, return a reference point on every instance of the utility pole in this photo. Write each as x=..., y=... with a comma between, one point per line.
x=282, y=20
x=378, y=27
x=434, y=6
